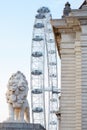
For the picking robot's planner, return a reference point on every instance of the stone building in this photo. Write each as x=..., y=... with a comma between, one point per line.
x=71, y=39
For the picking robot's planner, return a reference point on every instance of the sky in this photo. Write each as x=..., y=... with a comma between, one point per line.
x=16, y=28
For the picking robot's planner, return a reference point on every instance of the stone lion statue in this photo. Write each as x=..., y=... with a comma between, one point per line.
x=16, y=95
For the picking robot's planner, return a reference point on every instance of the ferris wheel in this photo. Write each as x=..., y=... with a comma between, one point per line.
x=44, y=78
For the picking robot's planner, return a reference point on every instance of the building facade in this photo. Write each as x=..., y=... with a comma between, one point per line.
x=71, y=39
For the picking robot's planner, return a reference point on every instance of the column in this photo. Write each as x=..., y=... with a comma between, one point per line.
x=68, y=112
x=78, y=81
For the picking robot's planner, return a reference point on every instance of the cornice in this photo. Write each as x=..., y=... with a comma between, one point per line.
x=65, y=25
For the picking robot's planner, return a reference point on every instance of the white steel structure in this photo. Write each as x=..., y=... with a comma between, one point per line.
x=43, y=48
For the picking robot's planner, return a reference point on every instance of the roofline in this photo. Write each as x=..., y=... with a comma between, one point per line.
x=84, y=3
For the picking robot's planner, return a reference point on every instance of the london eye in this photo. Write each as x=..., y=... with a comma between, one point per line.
x=44, y=72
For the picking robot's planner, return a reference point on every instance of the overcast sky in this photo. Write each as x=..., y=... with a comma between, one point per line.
x=16, y=27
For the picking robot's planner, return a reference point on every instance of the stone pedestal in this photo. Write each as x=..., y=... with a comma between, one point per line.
x=20, y=126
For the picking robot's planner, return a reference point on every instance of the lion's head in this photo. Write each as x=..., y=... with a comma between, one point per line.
x=17, y=89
